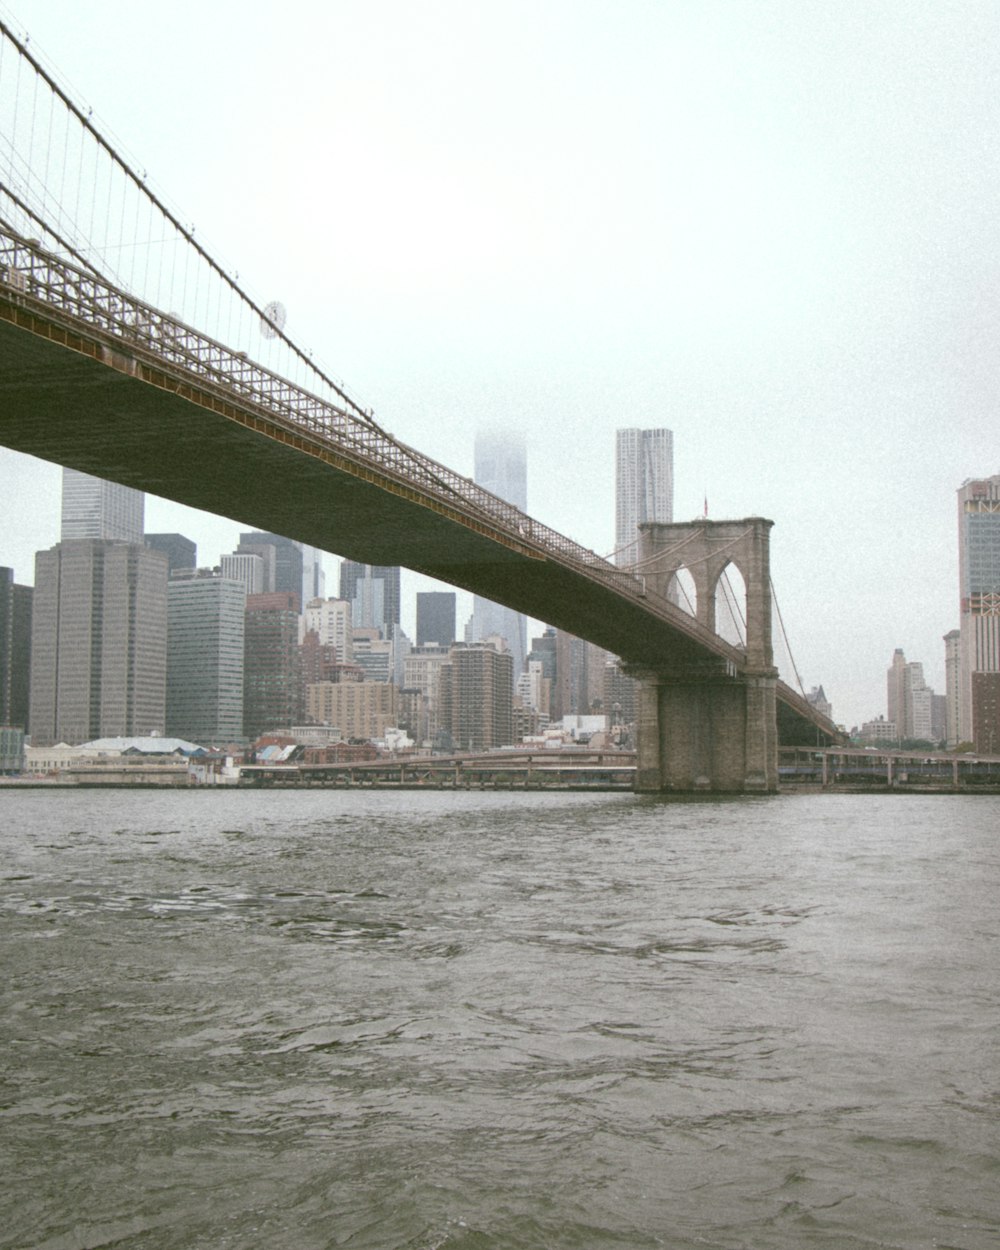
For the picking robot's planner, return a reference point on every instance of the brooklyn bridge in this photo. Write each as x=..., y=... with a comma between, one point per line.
x=212, y=405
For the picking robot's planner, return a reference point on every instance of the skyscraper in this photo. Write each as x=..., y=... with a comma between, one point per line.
x=373, y=592
x=94, y=508
x=979, y=591
x=896, y=687
x=313, y=576
x=476, y=697
x=620, y=700
x=435, y=617
x=245, y=567
x=98, y=642
x=205, y=657
x=952, y=671
x=273, y=697
x=501, y=467
x=359, y=709
x=573, y=670
x=545, y=652
x=330, y=620
x=644, y=485
x=282, y=562
x=910, y=701
x=15, y=650
x=583, y=687
x=181, y=552
x=421, y=676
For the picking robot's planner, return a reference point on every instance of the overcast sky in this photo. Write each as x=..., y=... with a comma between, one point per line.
x=770, y=226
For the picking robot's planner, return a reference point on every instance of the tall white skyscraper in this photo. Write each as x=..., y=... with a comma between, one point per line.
x=94, y=508
x=501, y=467
x=330, y=620
x=979, y=622
x=644, y=485
x=313, y=575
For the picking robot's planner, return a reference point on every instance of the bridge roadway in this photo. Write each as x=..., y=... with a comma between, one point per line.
x=92, y=379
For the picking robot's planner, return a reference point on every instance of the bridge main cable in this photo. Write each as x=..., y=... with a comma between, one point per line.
x=141, y=184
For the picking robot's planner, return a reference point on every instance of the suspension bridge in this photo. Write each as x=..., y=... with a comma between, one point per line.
x=213, y=405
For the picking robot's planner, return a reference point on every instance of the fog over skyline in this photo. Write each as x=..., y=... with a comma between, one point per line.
x=768, y=226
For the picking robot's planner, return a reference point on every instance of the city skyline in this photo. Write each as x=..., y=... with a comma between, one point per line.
x=272, y=564
x=788, y=272
x=408, y=600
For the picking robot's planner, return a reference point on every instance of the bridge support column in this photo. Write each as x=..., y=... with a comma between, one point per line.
x=706, y=725
x=707, y=735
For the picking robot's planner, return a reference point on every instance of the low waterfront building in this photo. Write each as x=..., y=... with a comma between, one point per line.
x=879, y=731
x=124, y=761
x=340, y=753
x=583, y=728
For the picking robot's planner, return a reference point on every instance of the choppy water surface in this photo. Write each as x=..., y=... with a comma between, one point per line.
x=310, y=1020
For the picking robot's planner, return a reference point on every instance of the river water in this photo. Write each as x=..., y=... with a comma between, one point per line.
x=319, y=1019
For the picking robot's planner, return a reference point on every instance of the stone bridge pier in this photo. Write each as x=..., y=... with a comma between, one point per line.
x=707, y=726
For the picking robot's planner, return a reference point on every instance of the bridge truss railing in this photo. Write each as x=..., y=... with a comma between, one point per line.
x=34, y=274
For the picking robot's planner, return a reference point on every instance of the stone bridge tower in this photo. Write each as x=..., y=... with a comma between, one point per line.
x=710, y=727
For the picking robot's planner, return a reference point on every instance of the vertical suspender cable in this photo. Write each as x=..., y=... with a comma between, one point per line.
x=791, y=658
